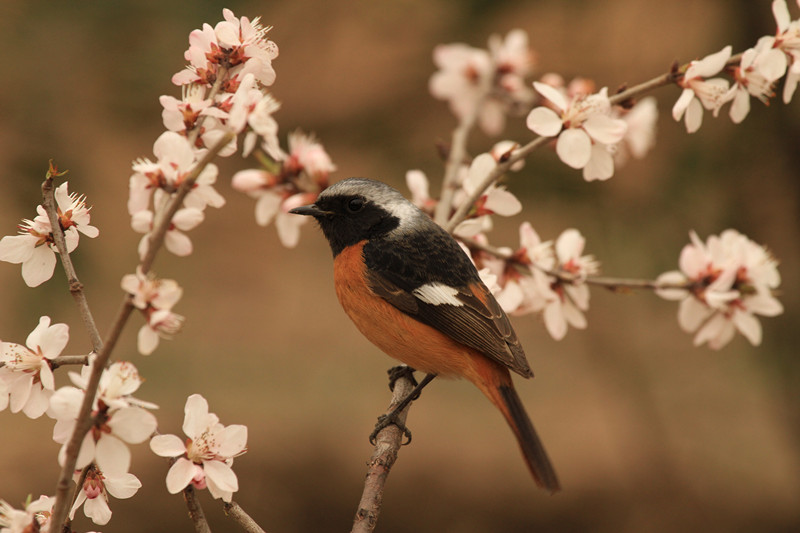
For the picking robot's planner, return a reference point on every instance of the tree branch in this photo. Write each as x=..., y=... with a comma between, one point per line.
x=235, y=511
x=387, y=444
x=196, y=513
x=75, y=286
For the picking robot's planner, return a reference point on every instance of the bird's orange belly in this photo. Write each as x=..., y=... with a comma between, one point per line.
x=394, y=332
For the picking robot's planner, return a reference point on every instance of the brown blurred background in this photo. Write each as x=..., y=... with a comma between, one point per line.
x=647, y=432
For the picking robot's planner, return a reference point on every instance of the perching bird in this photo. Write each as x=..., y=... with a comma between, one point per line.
x=413, y=292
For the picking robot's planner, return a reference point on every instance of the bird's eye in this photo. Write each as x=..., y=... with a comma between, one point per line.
x=355, y=204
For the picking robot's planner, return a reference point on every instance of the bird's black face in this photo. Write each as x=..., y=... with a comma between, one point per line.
x=347, y=219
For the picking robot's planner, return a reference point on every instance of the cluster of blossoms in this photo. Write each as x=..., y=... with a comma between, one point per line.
x=493, y=200
x=286, y=181
x=35, y=516
x=204, y=459
x=722, y=284
x=118, y=419
x=540, y=276
x=155, y=299
x=26, y=377
x=485, y=84
x=754, y=74
x=224, y=93
x=35, y=246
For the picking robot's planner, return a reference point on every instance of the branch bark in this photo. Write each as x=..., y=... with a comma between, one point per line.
x=235, y=511
x=196, y=513
x=387, y=444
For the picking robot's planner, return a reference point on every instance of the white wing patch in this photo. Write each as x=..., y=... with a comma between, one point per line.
x=438, y=294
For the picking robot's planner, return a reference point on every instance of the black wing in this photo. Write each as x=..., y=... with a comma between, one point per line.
x=479, y=323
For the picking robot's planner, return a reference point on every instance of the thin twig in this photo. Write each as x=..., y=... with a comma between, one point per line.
x=75, y=286
x=62, y=360
x=196, y=513
x=84, y=420
x=612, y=284
x=458, y=153
x=387, y=444
x=235, y=511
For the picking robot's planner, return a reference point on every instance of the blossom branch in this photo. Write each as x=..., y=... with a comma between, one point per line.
x=387, y=444
x=75, y=286
x=84, y=419
x=610, y=283
x=622, y=98
x=235, y=511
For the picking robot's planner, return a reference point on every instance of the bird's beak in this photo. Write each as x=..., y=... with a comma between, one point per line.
x=309, y=210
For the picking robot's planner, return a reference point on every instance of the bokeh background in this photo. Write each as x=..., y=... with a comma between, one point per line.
x=647, y=432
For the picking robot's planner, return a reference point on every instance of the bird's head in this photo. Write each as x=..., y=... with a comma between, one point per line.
x=358, y=209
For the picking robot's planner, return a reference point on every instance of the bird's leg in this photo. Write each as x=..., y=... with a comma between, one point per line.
x=389, y=418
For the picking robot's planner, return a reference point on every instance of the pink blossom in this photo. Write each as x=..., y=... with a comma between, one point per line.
x=640, y=136
x=584, y=128
x=699, y=92
x=236, y=43
x=721, y=285
x=788, y=41
x=97, y=486
x=113, y=428
x=35, y=517
x=117, y=383
x=161, y=323
x=755, y=76
x=26, y=374
x=175, y=160
x=175, y=240
x=417, y=183
x=35, y=248
x=487, y=84
x=149, y=291
x=205, y=458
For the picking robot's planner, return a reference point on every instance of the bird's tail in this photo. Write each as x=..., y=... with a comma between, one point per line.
x=500, y=390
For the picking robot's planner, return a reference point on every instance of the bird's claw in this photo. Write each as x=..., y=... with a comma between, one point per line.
x=388, y=420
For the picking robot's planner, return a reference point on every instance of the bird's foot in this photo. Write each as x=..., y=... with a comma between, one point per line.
x=387, y=420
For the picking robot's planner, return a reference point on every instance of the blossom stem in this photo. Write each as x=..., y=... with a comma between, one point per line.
x=75, y=286
x=387, y=444
x=195, y=510
x=235, y=511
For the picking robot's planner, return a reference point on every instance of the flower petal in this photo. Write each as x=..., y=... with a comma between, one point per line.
x=39, y=267
x=574, y=147
x=222, y=475
x=167, y=445
x=180, y=475
x=133, y=424
x=112, y=455
x=544, y=121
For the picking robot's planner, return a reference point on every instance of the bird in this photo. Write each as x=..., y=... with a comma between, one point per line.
x=414, y=293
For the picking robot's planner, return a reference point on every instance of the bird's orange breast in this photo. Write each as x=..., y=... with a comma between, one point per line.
x=397, y=334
